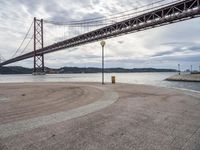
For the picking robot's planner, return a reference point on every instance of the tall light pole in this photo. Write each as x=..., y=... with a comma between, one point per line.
x=179, y=69
x=103, y=43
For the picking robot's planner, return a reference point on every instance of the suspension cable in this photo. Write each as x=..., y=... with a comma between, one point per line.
x=2, y=58
x=111, y=17
x=27, y=45
x=22, y=41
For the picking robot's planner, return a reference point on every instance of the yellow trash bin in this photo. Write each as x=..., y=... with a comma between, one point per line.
x=113, y=79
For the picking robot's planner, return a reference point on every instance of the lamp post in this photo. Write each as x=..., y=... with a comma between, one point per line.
x=103, y=43
x=179, y=69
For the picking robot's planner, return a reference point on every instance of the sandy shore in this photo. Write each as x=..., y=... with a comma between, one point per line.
x=91, y=116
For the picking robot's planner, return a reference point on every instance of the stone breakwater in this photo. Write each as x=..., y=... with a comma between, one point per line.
x=185, y=77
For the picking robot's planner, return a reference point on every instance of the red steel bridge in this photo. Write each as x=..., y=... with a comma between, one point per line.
x=158, y=16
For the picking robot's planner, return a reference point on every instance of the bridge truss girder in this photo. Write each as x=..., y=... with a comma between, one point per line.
x=171, y=14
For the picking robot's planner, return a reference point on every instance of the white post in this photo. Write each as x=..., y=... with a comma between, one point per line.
x=103, y=43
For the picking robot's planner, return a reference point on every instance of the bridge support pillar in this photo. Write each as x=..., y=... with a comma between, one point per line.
x=38, y=44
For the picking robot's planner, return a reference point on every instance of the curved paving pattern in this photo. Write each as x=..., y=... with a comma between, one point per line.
x=108, y=97
x=25, y=101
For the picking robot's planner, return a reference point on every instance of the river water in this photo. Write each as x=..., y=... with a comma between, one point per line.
x=157, y=79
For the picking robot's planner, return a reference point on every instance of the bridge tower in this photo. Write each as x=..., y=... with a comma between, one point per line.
x=38, y=44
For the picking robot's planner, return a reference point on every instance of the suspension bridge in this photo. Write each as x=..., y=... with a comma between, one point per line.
x=92, y=30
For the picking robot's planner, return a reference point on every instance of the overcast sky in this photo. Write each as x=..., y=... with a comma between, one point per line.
x=162, y=47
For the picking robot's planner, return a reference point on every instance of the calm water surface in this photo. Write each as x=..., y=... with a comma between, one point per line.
x=157, y=79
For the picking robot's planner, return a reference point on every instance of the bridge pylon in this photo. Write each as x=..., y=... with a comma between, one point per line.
x=38, y=44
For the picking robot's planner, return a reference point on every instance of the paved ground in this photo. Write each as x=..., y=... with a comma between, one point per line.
x=94, y=117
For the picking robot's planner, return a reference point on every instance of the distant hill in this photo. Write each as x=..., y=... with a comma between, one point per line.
x=15, y=70
x=111, y=70
x=22, y=70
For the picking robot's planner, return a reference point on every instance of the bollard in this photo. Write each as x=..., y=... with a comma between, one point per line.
x=113, y=79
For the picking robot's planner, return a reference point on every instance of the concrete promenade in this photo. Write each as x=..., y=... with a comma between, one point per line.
x=89, y=116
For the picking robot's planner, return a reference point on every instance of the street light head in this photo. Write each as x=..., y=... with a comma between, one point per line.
x=103, y=43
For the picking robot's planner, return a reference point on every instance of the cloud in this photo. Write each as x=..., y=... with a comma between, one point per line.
x=160, y=47
x=178, y=48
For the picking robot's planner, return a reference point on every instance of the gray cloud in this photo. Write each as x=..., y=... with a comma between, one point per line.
x=160, y=47
x=179, y=47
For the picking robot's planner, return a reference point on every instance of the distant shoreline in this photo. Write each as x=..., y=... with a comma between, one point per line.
x=78, y=70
